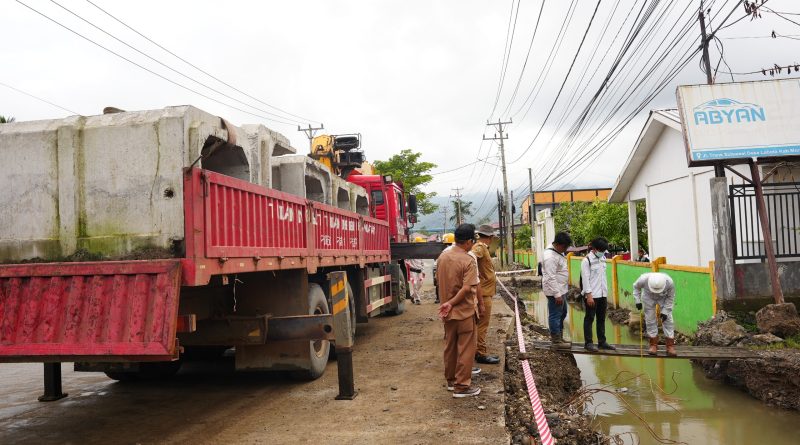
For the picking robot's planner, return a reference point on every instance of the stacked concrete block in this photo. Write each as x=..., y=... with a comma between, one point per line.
x=359, y=200
x=302, y=176
x=112, y=184
x=340, y=193
x=264, y=144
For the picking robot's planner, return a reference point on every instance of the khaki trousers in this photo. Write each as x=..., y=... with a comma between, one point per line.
x=460, y=340
x=483, y=326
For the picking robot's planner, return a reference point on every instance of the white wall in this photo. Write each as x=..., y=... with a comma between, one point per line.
x=678, y=202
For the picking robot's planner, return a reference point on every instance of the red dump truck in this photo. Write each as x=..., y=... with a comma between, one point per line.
x=132, y=240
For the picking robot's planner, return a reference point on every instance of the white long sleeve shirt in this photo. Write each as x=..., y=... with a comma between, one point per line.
x=640, y=288
x=593, y=276
x=555, y=276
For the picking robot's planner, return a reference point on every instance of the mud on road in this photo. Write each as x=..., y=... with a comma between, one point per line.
x=398, y=373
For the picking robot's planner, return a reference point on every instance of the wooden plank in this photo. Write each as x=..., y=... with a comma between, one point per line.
x=684, y=352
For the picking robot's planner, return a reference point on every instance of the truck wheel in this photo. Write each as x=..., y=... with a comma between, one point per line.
x=319, y=350
x=399, y=290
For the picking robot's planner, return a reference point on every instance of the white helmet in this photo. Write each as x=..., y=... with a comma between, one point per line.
x=657, y=282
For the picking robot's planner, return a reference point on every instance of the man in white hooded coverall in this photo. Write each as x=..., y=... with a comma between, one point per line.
x=416, y=267
x=655, y=288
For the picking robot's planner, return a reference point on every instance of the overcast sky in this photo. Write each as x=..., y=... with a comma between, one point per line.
x=406, y=74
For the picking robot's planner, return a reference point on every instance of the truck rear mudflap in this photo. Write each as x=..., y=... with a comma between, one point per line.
x=96, y=311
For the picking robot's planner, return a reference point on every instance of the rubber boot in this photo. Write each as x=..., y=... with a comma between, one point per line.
x=564, y=344
x=671, y=347
x=653, y=349
x=557, y=342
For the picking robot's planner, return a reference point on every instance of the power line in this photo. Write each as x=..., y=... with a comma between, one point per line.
x=525, y=63
x=591, y=109
x=569, y=71
x=148, y=69
x=165, y=65
x=506, y=54
x=39, y=98
x=302, y=119
x=548, y=65
x=581, y=121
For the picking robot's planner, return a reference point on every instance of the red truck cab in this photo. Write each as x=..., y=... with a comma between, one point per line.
x=387, y=202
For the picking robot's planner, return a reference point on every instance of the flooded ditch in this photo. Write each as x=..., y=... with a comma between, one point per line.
x=691, y=408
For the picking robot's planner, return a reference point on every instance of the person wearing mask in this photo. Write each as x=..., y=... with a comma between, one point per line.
x=488, y=288
x=555, y=284
x=656, y=288
x=457, y=274
x=595, y=293
x=642, y=256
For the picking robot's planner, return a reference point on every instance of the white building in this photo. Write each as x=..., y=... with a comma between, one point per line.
x=677, y=197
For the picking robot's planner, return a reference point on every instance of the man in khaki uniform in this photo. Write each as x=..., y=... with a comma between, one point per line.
x=458, y=281
x=487, y=288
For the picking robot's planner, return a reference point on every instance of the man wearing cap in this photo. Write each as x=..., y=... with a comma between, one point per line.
x=656, y=288
x=486, y=290
x=458, y=281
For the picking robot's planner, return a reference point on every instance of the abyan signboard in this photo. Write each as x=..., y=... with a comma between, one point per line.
x=738, y=121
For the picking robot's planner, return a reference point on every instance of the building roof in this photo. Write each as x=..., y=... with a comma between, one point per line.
x=658, y=121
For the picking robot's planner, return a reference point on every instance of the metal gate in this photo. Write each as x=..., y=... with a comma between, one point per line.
x=783, y=211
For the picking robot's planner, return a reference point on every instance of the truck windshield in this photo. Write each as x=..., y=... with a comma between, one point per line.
x=377, y=197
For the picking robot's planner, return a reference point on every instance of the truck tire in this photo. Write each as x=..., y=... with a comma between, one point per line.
x=399, y=290
x=318, y=350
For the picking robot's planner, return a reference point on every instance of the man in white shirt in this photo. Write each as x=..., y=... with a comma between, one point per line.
x=656, y=288
x=595, y=292
x=555, y=284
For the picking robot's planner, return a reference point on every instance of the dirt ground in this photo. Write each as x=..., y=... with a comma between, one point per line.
x=398, y=373
x=557, y=381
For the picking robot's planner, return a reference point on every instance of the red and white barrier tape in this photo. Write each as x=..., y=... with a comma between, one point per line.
x=533, y=394
x=509, y=272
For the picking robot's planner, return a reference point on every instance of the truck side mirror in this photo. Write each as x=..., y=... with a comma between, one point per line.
x=412, y=204
x=412, y=218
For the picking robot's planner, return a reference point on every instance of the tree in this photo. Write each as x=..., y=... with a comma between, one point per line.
x=522, y=237
x=466, y=210
x=587, y=220
x=6, y=120
x=408, y=169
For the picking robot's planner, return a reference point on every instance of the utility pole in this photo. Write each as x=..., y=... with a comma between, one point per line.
x=310, y=133
x=459, y=216
x=704, y=42
x=502, y=226
x=501, y=136
x=444, y=223
x=719, y=169
x=532, y=206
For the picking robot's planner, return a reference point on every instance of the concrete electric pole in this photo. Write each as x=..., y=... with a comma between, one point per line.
x=459, y=215
x=501, y=136
x=310, y=133
x=531, y=203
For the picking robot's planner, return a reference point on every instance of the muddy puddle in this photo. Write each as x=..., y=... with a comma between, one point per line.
x=690, y=409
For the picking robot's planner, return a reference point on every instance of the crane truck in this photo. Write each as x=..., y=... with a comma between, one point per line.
x=131, y=241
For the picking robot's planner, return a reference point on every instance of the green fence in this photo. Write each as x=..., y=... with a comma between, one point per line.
x=575, y=270
x=526, y=258
x=695, y=295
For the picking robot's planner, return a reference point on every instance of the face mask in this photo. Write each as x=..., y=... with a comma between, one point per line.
x=599, y=254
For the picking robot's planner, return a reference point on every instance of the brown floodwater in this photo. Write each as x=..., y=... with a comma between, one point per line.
x=697, y=410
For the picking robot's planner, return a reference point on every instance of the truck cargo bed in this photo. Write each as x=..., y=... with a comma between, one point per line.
x=124, y=310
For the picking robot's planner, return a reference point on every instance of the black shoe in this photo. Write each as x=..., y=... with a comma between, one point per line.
x=487, y=359
x=606, y=346
x=590, y=347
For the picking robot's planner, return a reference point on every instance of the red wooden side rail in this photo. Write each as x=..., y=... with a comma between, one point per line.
x=233, y=226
